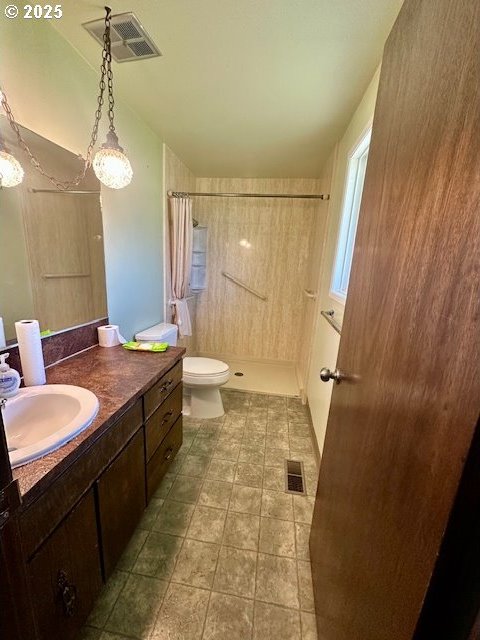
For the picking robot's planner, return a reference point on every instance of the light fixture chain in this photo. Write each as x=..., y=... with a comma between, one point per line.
x=108, y=56
x=105, y=70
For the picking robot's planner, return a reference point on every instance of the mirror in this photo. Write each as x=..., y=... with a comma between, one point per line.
x=52, y=265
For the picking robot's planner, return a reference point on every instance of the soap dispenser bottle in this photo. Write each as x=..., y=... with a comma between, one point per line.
x=9, y=378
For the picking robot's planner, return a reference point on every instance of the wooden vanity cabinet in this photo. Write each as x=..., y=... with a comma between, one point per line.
x=121, y=501
x=39, y=519
x=65, y=574
x=75, y=532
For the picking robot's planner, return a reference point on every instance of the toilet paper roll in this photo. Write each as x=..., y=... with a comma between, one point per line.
x=109, y=336
x=3, y=342
x=31, y=354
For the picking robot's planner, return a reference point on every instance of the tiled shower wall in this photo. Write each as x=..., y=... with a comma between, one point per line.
x=266, y=244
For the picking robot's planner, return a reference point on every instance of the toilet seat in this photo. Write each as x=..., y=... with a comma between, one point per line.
x=203, y=366
x=205, y=372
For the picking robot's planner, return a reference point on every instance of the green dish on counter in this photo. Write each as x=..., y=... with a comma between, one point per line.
x=157, y=347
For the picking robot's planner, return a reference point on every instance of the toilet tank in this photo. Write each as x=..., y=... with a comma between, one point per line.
x=163, y=332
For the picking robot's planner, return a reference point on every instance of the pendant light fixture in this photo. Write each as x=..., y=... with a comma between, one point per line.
x=11, y=172
x=110, y=164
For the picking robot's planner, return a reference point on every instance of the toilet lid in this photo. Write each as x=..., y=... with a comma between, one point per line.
x=157, y=333
x=203, y=366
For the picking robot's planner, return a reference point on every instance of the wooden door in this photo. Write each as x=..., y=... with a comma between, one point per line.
x=402, y=422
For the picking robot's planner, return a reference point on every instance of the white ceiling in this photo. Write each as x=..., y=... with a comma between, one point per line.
x=246, y=88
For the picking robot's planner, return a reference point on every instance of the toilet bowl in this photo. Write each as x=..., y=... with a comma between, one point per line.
x=202, y=377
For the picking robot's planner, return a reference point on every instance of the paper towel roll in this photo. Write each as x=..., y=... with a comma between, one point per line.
x=31, y=354
x=109, y=336
x=3, y=342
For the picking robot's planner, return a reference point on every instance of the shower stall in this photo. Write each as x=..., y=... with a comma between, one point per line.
x=254, y=314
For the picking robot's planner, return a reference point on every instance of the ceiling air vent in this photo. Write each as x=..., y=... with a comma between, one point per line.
x=129, y=39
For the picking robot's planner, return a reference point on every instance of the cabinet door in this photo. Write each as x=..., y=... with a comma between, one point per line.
x=163, y=457
x=121, y=500
x=65, y=574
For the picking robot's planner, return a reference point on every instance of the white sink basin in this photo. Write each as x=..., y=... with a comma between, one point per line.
x=41, y=419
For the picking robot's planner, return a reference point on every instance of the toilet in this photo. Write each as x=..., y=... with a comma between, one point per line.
x=163, y=332
x=202, y=377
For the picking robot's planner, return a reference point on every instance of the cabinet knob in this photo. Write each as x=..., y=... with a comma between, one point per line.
x=167, y=416
x=68, y=594
x=166, y=385
x=168, y=453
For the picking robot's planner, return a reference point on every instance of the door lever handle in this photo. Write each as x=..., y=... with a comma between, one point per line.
x=326, y=375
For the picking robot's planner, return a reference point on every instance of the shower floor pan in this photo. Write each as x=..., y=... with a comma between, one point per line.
x=259, y=377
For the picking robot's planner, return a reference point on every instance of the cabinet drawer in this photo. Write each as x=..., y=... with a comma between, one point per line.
x=65, y=574
x=121, y=500
x=39, y=520
x=162, y=389
x=160, y=422
x=163, y=457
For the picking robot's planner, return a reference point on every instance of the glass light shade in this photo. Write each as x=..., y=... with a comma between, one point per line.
x=11, y=172
x=112, y=168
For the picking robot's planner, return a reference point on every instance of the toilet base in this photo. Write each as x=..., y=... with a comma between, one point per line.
x=202, y=402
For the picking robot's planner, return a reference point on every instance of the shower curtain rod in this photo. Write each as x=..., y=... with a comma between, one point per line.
x=186, y=194
x=66, y=192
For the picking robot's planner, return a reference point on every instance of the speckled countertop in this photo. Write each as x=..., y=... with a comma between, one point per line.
x=118, y=378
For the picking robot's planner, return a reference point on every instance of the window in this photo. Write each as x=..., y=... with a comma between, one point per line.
x=357, y=164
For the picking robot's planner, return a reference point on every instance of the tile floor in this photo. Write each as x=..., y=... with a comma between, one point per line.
x=222, y=551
